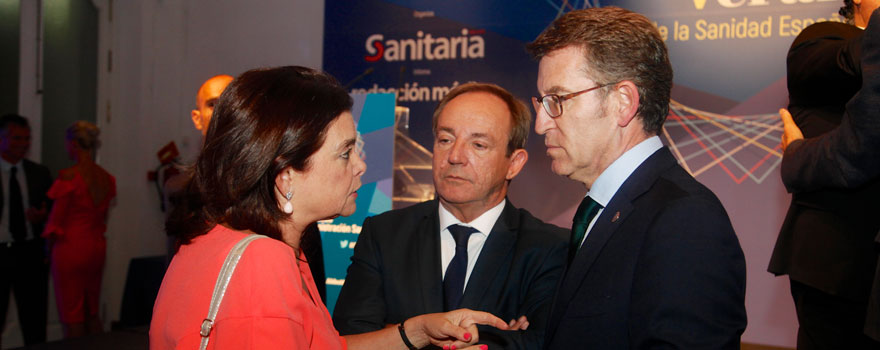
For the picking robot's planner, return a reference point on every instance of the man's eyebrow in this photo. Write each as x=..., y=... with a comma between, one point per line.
x=472, y=135
x=480, y=135
x=555, y=90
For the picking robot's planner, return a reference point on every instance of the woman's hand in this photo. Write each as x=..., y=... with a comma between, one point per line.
x=474, y=347
x=454, y=330
x=450, y=330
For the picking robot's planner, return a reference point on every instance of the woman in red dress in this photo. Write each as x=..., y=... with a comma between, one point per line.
x=280, y=154
x=82, y=194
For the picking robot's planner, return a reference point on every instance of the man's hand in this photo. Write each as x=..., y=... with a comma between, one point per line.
x=36, y=216
x=790, y=130
x=520, y=324
x=450, y=330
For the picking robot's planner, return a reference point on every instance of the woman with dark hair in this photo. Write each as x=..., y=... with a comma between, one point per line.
x=82, y=195
x=280, y=154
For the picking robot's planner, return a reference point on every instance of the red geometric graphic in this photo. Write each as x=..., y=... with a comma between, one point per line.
x=743, y=147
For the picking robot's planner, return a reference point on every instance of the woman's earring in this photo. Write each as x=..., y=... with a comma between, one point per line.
x=288, y=207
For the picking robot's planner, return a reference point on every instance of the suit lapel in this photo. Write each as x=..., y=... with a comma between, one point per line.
x=575, y=273
x=30, y=181
x=621, y=206
x=430, y=276
x=493, y=259
x=595, y=241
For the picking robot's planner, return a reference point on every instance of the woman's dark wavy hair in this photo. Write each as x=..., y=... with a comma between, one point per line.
x=847, y=11
x=265, y=121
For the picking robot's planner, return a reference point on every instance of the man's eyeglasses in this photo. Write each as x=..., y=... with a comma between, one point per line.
x=553, y=103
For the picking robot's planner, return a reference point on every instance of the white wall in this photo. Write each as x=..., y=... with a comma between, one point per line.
x=161, y=53
x=29, y=101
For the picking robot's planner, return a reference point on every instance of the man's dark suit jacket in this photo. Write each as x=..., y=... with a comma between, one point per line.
x=396, y=273
x=661, y=268
x=39, y=179
x=846, y=157
x=826, y=240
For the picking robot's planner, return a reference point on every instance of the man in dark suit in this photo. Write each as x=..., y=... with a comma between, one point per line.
x=846, y=157
x=22, y=215
x=826, y=244
x=655, y=263
x=470, y=248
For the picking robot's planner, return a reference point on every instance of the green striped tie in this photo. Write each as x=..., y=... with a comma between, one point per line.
x=585, y=213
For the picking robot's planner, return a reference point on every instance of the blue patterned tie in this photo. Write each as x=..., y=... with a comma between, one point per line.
x=585, y=213
x=453, y=283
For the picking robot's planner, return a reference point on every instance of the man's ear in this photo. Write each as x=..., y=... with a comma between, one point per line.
x=626, y=102
x=518, y=160
x=197, y=119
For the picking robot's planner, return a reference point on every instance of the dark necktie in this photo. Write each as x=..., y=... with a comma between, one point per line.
x=453, y=283
x=16, y=208
x=585, y=213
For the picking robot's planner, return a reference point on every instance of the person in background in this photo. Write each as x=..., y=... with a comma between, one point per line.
x=175, y=180
x=470, y=247
x=826, y=243
x=82, y=195
x=655, y=262
x=279, y=155
x=845, y=157
x=23, y=207
x=206, y=99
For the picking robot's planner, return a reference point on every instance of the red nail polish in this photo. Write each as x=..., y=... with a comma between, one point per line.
x=446, y=347
x=452, y=347
x=467, y=336
x=484, y=347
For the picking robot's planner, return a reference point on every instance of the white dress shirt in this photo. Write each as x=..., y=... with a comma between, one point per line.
x=483, y=224
x=615, y=175
x=5, y=170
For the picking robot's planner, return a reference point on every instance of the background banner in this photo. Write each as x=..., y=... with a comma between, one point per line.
x=729, y=62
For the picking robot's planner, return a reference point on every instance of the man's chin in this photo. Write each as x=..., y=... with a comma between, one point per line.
x=560, y=169
x=454, y=198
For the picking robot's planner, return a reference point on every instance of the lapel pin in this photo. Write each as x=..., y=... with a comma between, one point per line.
x=616, y=217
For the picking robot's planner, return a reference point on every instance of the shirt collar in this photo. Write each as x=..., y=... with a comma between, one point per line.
x=612, y=178
x=484, y=222
x=7, y=165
